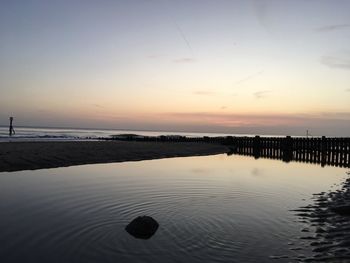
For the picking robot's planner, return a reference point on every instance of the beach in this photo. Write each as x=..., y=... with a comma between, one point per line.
x=17, y=156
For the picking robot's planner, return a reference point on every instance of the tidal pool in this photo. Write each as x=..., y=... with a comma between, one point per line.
x=209, y=209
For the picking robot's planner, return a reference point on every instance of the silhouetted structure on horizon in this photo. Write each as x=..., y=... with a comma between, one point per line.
x=11, y=129
x=318, y=150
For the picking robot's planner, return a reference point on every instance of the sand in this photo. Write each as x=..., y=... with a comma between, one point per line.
x=16, y=156
x=327, y=231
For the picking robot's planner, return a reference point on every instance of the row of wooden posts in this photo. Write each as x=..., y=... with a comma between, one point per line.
x=320, y=150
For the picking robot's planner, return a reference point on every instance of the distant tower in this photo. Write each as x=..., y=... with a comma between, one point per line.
x=307, y=133
x=11, y=129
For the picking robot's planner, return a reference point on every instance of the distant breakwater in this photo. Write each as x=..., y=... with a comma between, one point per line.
x=318, y=150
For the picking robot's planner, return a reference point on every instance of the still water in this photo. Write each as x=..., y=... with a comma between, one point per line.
x=210, y=209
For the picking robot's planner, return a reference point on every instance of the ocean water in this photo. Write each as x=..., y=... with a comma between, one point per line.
x=210, y=209
x=45, y=134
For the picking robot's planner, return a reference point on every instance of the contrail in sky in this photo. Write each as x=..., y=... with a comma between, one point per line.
x=179, y=29
x=182, y=34
x=248, y=77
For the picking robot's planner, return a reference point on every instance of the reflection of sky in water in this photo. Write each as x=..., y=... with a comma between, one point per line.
x=217, y=208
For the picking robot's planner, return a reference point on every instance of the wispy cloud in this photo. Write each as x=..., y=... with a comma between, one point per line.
x=262, y=12
x=222, y=119
x=335, y=115
x=230, y=119
x=329, y=28
x=214, y=93
x=98, y=106
x=223, y=107
x=336, y=62
x=44, y=111
x=154, y=56
x=204, y=92
x=261, y=94
x=248, y=78
x=184, y=60
x=347, y=90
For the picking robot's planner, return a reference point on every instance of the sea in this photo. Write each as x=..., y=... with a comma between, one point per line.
x=219, y=208
x=66, y=134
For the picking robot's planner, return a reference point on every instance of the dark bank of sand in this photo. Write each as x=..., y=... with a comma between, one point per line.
x=327, y=225
x=16, y=156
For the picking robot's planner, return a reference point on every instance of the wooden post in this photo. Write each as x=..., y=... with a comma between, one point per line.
x=323, y=151
x=11, y=129
x=287, y=149
x=256, y=147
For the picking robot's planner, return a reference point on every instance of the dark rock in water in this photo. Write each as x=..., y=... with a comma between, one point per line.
x=343, y=210
x=143, y=227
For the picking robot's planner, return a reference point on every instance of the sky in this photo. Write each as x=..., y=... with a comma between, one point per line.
x=231, y=66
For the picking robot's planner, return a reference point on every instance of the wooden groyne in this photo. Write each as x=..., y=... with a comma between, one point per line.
x=319, y=150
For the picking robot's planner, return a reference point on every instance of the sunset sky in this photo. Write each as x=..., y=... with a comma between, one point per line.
x=240, y=66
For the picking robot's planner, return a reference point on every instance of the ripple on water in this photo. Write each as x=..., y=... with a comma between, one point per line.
x=204, y=218
x=93, y=224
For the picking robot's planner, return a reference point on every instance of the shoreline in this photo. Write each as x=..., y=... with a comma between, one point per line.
x=326, y=225
x=19, y=156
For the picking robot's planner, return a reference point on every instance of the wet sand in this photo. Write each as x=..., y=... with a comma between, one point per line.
x=327, y=223
x=16, y=156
